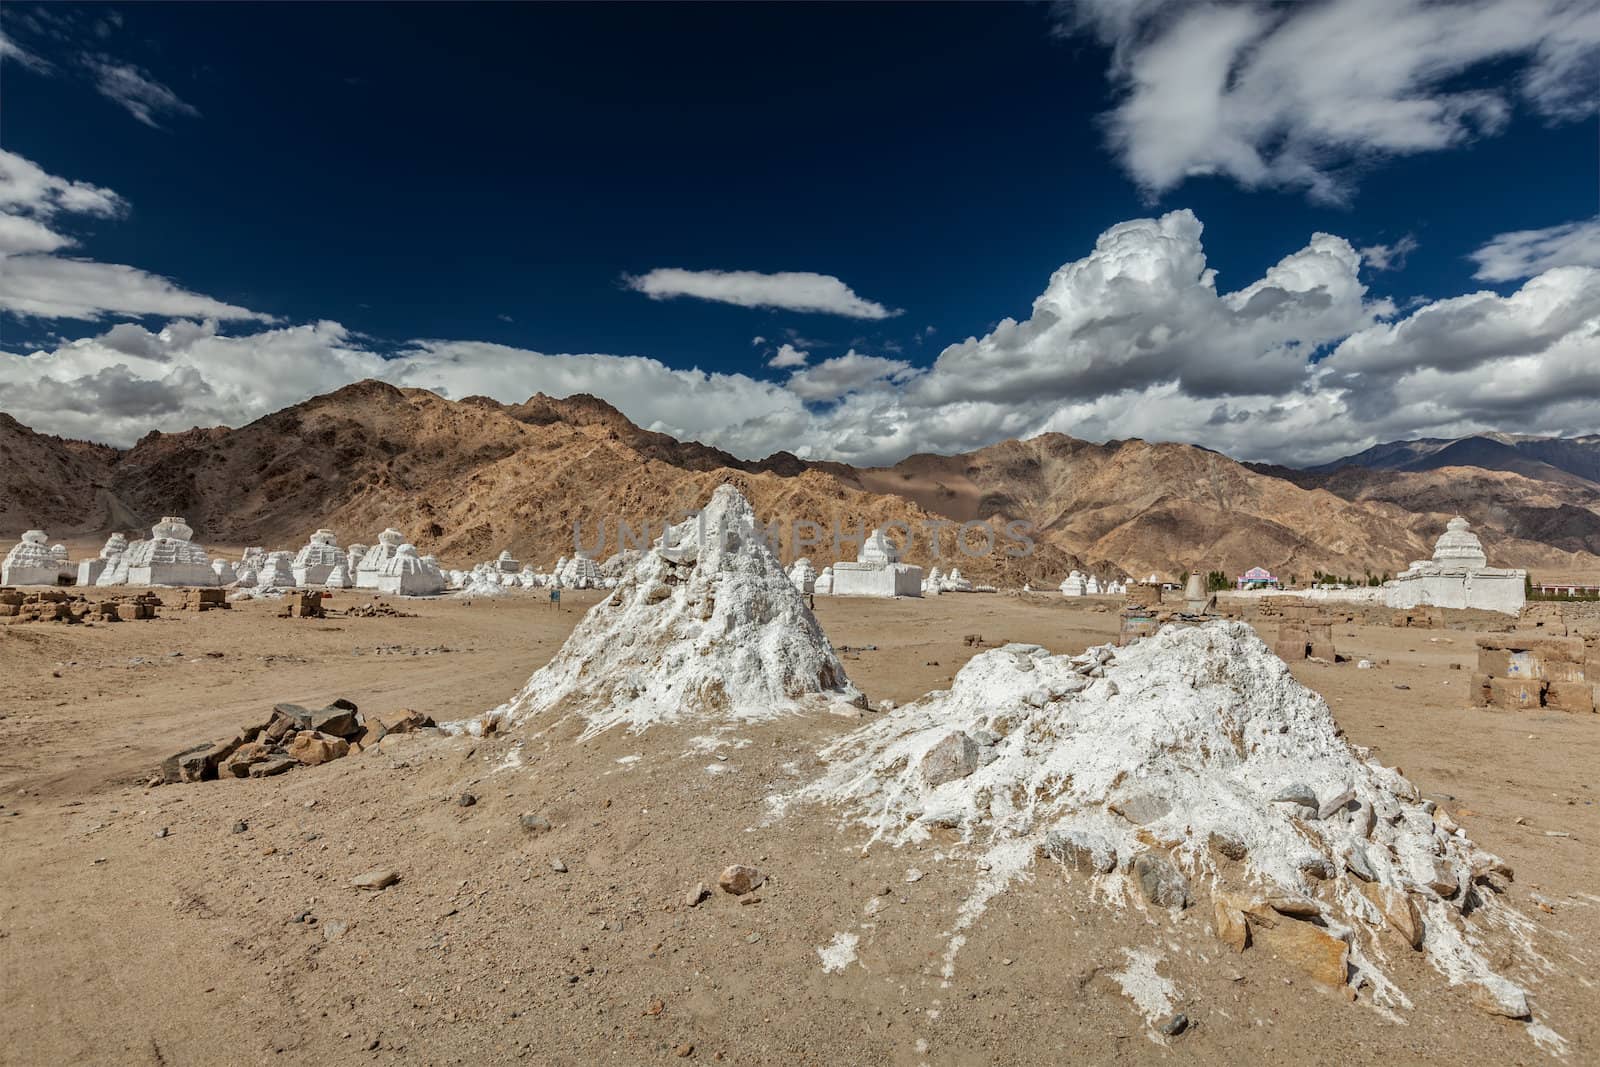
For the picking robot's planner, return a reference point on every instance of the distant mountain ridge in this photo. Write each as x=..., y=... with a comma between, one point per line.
x=1533, y=457
x=465, y=479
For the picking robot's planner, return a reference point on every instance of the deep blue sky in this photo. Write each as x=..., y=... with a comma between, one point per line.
x=419, y=171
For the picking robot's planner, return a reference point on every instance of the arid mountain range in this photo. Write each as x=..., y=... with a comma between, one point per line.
x=465, y=479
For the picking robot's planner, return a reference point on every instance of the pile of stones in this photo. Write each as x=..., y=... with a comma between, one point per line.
x=292, y=737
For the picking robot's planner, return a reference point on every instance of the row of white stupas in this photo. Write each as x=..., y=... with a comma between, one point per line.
x=169, y=557
x=1079, y=584
x=506, y=573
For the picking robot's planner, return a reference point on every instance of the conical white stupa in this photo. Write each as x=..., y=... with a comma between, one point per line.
x=29, y=562
x=1187, y=765
x=317, y=558
x=704, y=626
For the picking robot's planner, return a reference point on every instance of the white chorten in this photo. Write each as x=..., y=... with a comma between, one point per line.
x=353, y=557
x=224, y=571
x=377, y=558
x=803, y=575
x=90, y=570
x=1074, y=585
x=705, y=626
x=316, y=560
x=1458, y=576
x=956, y=582
x=580, y=572
x=64, y=567
x=339, y=577
x=169, y=557
x=877, y=571
x=823, y=586
x=1093, y=587
x=29, y=562
x=408, y=574
x=277, y=572
x=505, y=564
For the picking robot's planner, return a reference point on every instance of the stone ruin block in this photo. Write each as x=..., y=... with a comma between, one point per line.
x=1425, y=617
x=1569, y=696
x=205, y=599
x=298, y=605
x=130, y=610
x=1516, y=693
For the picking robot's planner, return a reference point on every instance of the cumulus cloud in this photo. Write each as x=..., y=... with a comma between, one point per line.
x=1524, y=253
x=787, y=356
x=1134, y=339
x=136, y=91
x=1390, y=256
x=786, y=290
x=35, y=282
x=1301, y=95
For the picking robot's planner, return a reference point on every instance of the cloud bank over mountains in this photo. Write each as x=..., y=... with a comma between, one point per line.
x=1134, y=339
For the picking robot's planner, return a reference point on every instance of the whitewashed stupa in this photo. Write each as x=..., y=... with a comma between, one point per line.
x=704, y=626
x=169, y=557
x=277, y=572
x=823, y=586
x=226, y=575
x=506, y=564
x=317, y=558
x=579, y=572
x=376, y=559
x=29, y=562
x=803, y=575
x=1074, y=585
x=339, y=577
x=90, y=570
x=1186, y=768
x=408, y=574
x=1458, y=576
x=956, y=582
x=877, y=571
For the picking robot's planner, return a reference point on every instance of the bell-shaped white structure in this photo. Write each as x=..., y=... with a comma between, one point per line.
x=316, y=560
x=277, y=572
x=803, y=575
x=224, y=571
x=29, y=562
x=408, y=574
x=823, y=586
x=505, y=564
x=877, y=571
x=377, y=558
x=169, y=557
x=580, y=572
x=90, y=570
x=1458, y=576
x=1074, y=585
x=339, y=577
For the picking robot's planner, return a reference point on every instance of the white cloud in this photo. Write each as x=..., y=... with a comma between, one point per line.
x=1300, y=95
x=1390, y=256
x=34, y=282
x=1133, y=339
x=11, y=50
x=136, y=91
x=787, y=356
x=1524, y=253
x=788, y=290
x=849, y=373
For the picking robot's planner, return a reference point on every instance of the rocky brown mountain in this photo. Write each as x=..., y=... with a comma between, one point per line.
x=467, y=478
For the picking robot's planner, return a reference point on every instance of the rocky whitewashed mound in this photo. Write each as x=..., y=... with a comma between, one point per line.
x=704, y=626
x=1188, y=768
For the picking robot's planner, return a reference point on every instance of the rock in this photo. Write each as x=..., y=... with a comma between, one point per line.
x=557, y=865
x=1399, y=911
x=683, y=1051
x=1227, y=846
x=1497, y=996
x=338, y=719
x=239, y=762
x=376, y=879
x=1356, y=863
x=954, y=757
x=269, y=767
x=1175, y=1025
x=240, y=827
x=534, y=824
x=192, y=764
x=739, y=879
x=287, y=718
x=913, y=875
x=466, y=800
x=1294, y=906
x=1161, y=883
x=1081, y=851
x=1310, y=948
x=163, y=832
x=1141, y=809
x=313, y=748
x=1232, y=929
x=333, y=930
x=1300, y=795
x=1336, y=803
x=693, y=898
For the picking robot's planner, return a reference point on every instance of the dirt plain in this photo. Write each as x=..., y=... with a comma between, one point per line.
x=211, y=944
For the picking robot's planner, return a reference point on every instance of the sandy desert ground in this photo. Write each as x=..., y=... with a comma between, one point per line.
x=236, y=937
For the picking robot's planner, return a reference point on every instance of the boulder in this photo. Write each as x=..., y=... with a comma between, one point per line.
x=1231, y=927
x=314, y=748
x=1310, y=948
x=1160, y=881
x=739, y=879
x=1399, y=911
x=271, y=766
x=339, y=719
x=956, y=756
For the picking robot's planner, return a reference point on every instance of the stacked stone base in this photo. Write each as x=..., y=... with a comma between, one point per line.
x=1523, y=671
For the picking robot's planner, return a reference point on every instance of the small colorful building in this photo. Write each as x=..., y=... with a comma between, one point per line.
x=1257, y=578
